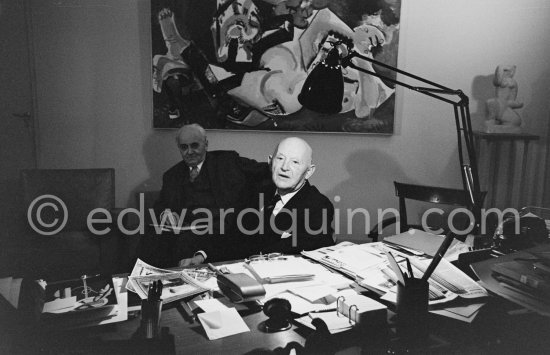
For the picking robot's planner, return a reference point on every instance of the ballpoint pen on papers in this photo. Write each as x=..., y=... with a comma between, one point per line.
x=323, y=311
x=409, y=267
x=213, y=268
x=402, y=249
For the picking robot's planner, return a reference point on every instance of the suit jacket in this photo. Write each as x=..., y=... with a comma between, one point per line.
x=307, y=216
x=235, y=182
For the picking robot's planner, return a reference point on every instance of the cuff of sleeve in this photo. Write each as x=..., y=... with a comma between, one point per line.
x=200, y=252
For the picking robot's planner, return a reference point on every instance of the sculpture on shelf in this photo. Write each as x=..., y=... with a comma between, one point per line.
x=501, y=114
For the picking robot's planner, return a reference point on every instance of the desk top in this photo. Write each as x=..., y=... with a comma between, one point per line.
x=493, y=331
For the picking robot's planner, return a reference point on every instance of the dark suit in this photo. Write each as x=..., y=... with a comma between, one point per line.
x=232, y=182
x=307, y=216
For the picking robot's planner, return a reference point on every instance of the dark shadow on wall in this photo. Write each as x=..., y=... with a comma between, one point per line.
x=536, y=118
x=160, y=153
x=482, y=90
x=357, y=193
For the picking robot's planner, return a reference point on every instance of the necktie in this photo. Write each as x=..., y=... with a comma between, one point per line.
x=193, y=173
x=271, y=205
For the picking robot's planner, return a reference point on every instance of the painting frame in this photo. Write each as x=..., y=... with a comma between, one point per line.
x=240, y=64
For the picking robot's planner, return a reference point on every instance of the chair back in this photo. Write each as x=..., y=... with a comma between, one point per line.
x=80, y=190
x=428, y=194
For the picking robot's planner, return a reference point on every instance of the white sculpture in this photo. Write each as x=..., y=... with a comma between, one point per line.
x=501, y=114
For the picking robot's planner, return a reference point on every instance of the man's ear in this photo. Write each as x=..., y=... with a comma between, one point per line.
x=206, y=143
x=310, y=171
x=269, y=159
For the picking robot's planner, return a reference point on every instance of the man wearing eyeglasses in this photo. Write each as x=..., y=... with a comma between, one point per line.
x=210, y=187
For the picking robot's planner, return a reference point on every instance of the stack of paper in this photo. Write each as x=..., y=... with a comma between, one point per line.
x=281, y=270
x=348, y=258
x=369, y=265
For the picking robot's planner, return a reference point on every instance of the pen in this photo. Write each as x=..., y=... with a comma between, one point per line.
x=438, y=256
x=213, y=268
x=409, y=267
x=324, y=310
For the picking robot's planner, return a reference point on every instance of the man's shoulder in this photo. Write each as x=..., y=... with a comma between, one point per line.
x=313, y=196
x=176, y=169
x=222, y=153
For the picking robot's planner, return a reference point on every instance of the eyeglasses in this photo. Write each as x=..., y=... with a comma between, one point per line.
x=265, y=257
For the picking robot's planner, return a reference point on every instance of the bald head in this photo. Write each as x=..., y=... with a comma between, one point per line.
x=192, y=143
x=191, y=129
x=291, y=164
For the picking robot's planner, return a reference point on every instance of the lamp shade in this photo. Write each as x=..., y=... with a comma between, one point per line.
x=323, y=89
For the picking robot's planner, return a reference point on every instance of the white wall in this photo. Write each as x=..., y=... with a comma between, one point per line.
x=95, y=98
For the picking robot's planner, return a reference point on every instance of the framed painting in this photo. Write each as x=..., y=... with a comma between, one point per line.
x=242, y=64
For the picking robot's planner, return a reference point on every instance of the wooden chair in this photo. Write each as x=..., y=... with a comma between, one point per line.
x=428, y=194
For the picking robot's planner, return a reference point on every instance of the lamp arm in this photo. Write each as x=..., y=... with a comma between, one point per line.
x=469, y=172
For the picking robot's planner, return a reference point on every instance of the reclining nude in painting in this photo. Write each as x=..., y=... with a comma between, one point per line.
x=275, y=86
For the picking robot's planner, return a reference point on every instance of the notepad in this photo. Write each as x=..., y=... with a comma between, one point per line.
x=284, y=270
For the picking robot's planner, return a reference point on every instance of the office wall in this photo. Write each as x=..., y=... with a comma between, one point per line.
x=94, y=97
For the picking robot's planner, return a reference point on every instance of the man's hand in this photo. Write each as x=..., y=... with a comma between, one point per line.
x=195, y=260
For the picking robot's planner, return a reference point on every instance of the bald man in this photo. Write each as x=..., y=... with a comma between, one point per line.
x=299, y=217
x=211, y=186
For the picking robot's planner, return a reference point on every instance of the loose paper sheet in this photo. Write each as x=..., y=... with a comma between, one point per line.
x=222, y=323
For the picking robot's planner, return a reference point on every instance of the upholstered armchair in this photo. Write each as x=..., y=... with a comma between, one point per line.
x=74, y=249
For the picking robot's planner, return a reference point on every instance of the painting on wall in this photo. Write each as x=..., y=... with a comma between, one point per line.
x=241, y=64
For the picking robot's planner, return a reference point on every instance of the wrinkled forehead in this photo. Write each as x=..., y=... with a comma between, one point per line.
x=190, y=135
x=295, y=149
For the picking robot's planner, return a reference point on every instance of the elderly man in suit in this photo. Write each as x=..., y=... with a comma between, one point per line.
x=210, y=187
x=298, y=217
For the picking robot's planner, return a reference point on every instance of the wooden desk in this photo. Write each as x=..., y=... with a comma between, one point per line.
x=494, y=331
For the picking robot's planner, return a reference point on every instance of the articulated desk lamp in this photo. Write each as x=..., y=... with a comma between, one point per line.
x=323, y=91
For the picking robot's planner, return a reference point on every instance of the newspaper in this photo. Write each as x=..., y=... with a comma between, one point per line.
x=141, y=268
x=176, y=285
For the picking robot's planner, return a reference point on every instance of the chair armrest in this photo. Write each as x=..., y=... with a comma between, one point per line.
x=374, y=232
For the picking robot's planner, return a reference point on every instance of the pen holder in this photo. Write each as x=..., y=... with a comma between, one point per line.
x=412, y=310
x=150, y=318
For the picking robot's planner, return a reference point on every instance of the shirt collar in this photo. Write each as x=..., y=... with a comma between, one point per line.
x=199, y=166
x=288, y=196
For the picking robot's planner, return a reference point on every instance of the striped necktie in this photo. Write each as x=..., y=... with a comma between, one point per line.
x=193, y=173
